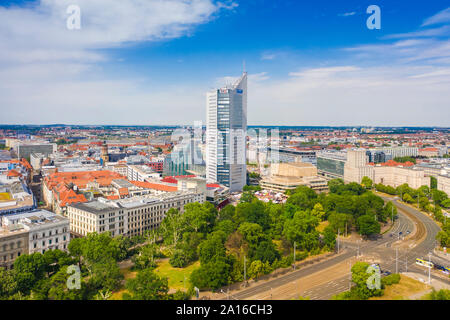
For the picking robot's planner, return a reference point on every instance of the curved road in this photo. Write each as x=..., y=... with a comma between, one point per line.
x=383, y=244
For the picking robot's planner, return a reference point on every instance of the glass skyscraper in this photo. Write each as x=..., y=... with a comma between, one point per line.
x=226, y=127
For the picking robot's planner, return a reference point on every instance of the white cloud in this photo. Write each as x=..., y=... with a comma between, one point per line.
x=323, y=72
x=104, y=24
x=404, y=82
x=51, y=74
x=347, y=14
x=268, y=56
x=354, y=96
x=55, y=73
x=441, y=17
x=434, y=32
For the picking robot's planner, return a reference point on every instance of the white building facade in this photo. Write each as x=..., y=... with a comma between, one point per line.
x=226, y=127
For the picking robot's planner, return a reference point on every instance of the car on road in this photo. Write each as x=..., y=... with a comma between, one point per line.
x=400, y=233
x=408, y=232
x=385, y=273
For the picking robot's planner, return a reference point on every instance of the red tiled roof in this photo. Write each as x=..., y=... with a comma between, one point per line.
x=156, y=186
x=429, y=149
x=13, y=173
x=392, y=163
x=69, y=197
x=174, y=179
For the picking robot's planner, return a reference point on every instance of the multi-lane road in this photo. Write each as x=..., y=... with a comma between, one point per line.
x=422, y=228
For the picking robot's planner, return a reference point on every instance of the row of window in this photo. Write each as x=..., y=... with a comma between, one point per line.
x=49, y=233
x=12, y=255
x=12, y=245
x=50, y=241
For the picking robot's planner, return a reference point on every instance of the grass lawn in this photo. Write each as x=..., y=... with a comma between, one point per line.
x=164, y=269
x=402, y=290
x=322, y=226
x=127, y=274
x=176, y=275
x=5, y=196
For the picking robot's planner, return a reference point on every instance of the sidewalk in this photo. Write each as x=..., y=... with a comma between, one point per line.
x=436, y=284
x=442, y=255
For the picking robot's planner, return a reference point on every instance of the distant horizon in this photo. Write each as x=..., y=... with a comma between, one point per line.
x=203, y=125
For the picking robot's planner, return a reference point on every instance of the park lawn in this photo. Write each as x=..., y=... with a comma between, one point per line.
x=5, y=196
x=402, y=290
x=176, y=275
x=322, y=226
x=127, y=274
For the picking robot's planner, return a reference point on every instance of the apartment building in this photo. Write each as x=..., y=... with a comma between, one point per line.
x=30, y=232
x=46, y=230
x=13, y=243
x=128, y=217
x=443, y=183
x=141, y=173
x=390, y=173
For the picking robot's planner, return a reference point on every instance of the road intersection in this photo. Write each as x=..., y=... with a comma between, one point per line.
x=413, y=228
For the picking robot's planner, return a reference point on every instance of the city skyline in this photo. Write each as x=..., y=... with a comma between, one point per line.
x=313, y=64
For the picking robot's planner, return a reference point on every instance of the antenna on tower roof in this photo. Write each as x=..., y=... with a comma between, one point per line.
x=243, y=66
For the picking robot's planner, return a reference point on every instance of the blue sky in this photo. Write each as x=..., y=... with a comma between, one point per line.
x=151, y=62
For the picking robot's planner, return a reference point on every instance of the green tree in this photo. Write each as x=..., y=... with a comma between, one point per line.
x=75, y=248
x=147, y=286
x=366, y=182
x=407, y=198
x=424, y=203
x=146, y=258
x=367, y=225
x=258, y=268
x=318, y=211
x=212, y=248
x=333, y=184
x=446, y=203
x=179, y=259
x=57, y=287
x=252, y=232
x=302, y=230
x=442, y=294
x=226, y=213
x=55, y=259
x=253, y=212
x=329, y=237
x=439, y=196
x=172, y=227
x=340, y=221
x=105, y=275
x=433, y=183
x=28, y=270
x=227, y=226
x=266, y=252
x=211, y=274
x=359, y=278
x=8, y=285
x=197, y=217
x=247, y=197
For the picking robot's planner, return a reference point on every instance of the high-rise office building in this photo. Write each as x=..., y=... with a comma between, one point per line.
x=226, y=126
